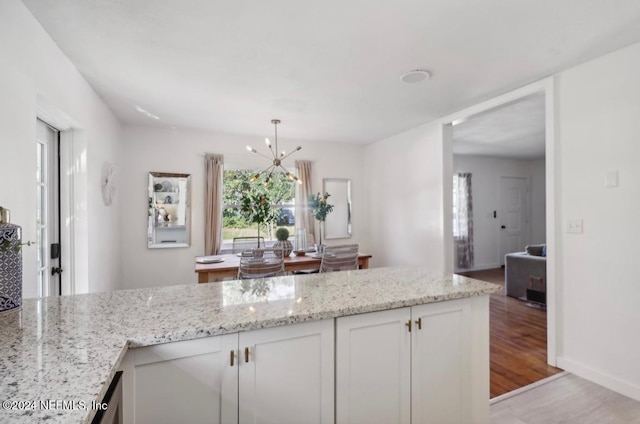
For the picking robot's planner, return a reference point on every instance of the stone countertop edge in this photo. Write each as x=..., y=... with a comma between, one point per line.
x=102, y=324
x=138, y=341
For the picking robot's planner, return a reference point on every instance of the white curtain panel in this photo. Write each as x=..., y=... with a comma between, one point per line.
x=304, y=220
x=213, y=204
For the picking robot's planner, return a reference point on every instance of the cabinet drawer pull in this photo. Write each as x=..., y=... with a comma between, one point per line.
x=419, y=323
x=232, y=356
x=408, y=324
x=246, y=354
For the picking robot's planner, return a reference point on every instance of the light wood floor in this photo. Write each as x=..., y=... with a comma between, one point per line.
x=518, y=339
x=568, y=400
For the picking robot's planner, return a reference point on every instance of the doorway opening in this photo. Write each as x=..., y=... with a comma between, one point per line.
x=502, y=148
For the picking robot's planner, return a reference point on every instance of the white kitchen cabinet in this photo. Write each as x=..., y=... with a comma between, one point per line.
x=424, y=364
x=279, y=375
x=185, y=382
x=288, y=375
x=373, y=368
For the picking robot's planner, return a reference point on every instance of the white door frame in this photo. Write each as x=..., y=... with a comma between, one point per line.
x=547, y=86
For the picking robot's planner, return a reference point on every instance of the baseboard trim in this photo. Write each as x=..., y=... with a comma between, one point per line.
x=478, y=268
x=526, y=388
x=610, y=382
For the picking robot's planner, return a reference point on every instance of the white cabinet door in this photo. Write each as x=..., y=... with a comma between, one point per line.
x=450, y=362
x=186, y=382
x=373, y=368
x=438, y=373
x=440, y=365
x=288, y=374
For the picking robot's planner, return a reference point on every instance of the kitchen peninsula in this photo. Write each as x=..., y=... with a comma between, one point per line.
x=434, y=325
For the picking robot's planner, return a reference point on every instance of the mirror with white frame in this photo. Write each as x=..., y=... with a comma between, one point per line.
x=338, y=223
x=169, y=221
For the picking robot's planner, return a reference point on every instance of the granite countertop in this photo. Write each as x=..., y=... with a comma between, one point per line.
x=67, y=348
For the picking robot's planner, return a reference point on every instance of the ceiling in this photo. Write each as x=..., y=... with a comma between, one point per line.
x=329, y=70
x=514, y=130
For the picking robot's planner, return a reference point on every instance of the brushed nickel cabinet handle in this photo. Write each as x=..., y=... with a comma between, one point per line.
x=419, y=323
x=232, y=356
x=408, y=324
x=246, y=354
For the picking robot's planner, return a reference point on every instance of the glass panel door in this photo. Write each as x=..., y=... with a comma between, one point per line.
x=46, y=210
x=42, y=220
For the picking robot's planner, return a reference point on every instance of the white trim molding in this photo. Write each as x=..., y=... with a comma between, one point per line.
x=612, y=383
x=552, y=182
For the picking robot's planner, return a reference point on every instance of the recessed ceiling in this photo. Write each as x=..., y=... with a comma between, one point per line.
x=514, y=130
x=329, y=70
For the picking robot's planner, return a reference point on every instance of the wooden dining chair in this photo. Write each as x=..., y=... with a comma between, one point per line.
x=339, y=258
x=261, y=263
x=241, y=244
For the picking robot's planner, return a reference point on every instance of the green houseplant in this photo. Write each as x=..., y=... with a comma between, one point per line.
x=282, y=234
x=320, y=208
x=256, y=208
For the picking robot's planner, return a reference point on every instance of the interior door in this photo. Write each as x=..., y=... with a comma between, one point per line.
x=47, y=209
x=514, y=216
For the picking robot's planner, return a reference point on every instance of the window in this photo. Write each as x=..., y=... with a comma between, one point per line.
x=279, y=190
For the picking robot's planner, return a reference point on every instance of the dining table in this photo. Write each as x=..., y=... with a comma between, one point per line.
x=226, y=266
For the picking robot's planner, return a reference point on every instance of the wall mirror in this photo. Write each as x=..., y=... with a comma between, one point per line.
x=338, y=222
x=169, y=210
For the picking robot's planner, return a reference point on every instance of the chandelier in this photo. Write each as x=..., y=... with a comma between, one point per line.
x=276, y=160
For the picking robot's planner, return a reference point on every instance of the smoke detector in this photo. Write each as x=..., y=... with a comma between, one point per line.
x=415, y=76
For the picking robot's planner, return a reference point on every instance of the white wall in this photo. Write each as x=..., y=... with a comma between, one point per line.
x=486, y=172
x=148, y=149
x=594, y=274
x=35, y=73
x=599, y=312
x=405, y=182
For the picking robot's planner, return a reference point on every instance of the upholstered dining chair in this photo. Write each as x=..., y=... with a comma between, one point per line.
x=241, y=244
x=261, y=263
x=339, y=258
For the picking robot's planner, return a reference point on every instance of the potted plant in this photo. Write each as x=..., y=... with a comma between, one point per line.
x=256, y=207
x=282, y=234
x=320, y=208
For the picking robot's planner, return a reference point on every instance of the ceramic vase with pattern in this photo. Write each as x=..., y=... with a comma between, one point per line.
x=10, y=268
x=285, y=245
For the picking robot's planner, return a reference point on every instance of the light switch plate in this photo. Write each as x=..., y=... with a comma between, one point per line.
x=574, y=226
x=611, y=179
